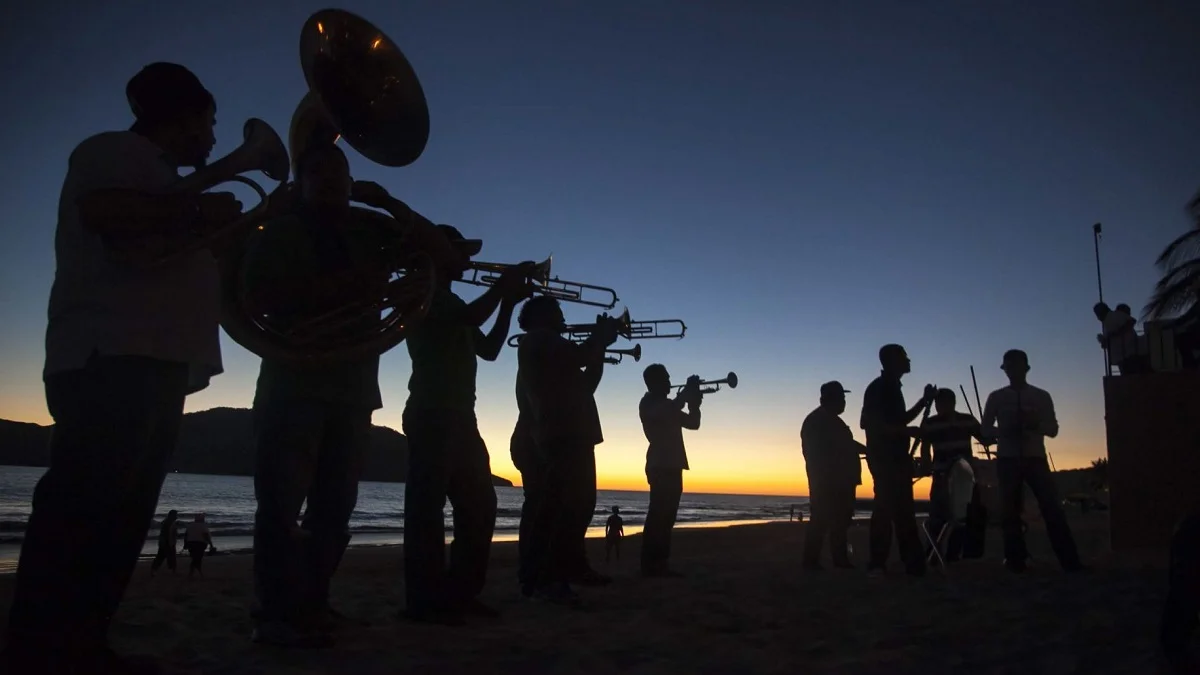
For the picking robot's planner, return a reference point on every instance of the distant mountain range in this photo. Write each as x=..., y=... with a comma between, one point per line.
x=217, y=441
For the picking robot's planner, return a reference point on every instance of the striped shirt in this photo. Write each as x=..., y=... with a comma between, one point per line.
x=950, y=436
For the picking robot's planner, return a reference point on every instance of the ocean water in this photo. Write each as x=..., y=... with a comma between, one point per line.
x=228, y=505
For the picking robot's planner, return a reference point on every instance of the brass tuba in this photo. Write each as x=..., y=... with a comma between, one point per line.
x=363, y=90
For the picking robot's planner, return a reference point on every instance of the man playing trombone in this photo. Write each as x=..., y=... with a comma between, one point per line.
x=663, y=421
x=447, y=457
x=124, y=347
x=558, y=380
x=312, y=421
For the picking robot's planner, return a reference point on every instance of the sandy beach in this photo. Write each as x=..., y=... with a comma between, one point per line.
x=744, y=607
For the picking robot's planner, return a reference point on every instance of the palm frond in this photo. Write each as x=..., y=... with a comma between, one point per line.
x=1178, y=289
x=1185, y=247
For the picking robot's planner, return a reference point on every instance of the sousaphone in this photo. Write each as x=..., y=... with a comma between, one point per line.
x=361, y=90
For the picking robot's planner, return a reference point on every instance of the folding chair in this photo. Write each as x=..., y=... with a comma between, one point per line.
x=961, y=485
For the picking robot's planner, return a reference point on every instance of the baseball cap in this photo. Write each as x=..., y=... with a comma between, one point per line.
x=471, y=247
x=163, y=90
x=832, y=389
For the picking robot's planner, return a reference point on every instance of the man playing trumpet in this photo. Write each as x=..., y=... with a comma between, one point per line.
x=447, y=457
x=663, y=421
x=124, y=347
x=558, y=379
x=312, y=421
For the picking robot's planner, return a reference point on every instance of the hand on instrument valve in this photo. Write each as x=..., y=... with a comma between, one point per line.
x=215, y=209
x=514, y=283
x=691, y=391
x=607, y=329
x=369, y=193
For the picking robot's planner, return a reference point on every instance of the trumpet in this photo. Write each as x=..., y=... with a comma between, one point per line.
x=626, y=328
x=636, y=353
x=487, y=274
x=731, y=380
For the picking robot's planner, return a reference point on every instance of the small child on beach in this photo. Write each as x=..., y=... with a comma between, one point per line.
x=614, y=530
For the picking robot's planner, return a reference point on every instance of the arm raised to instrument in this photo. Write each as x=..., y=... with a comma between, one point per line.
x=488, y=347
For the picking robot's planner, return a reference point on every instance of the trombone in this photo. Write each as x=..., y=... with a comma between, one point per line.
x=731, y=380
x=626, y=328
x=487, y=274
x=636, y=353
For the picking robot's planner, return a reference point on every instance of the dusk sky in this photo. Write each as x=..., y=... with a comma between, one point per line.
x=799, y=182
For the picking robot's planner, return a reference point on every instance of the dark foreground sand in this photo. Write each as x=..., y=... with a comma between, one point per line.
x=745, y=607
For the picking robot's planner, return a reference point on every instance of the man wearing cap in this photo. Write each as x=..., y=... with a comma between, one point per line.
x=831, y=460
x=886, y=420
x=558, y=379
x=1019, y=418
x=663, y=422
x=447, y=457
x=124, y=347
x=312, y=421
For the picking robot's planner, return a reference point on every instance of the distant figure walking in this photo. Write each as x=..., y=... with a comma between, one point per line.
x=168, y=533
x=1019, y=417
x=886, y=421
x=614, y=531
x=196, y=541
x=663, y=422
x=831, y=460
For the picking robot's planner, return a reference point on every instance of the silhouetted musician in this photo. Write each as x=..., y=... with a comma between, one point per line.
x=886, y=420
x=124, y=347
x=663, y=422
x=560, y=378
x=1019, y=418
x=947, y=437
x=447, y=457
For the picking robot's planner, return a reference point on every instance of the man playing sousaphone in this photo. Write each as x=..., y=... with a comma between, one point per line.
x=312, y=421
x=124, y=347
x=558, y=379
x=447, y=458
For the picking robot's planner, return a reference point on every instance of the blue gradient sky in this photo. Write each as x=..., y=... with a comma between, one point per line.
x=800, y=183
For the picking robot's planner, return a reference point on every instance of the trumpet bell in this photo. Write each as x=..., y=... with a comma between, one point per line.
x=636, y=352
x=365, y=86
x=731, y=380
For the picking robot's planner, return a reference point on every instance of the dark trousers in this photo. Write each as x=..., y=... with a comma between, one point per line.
x=196, y=551
x=1181, y=613
x=305, y=450
x=666, y=489
x=831, y=505
x=556, y=534
x=1012, y=474
x=893, y=509
x=531, y=485
x=166, y=553
x=447, y=459
x=116, y=424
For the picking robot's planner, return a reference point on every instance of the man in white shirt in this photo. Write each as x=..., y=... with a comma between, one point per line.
x=663, y=422
x=1018, y=418
x=124, y=347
